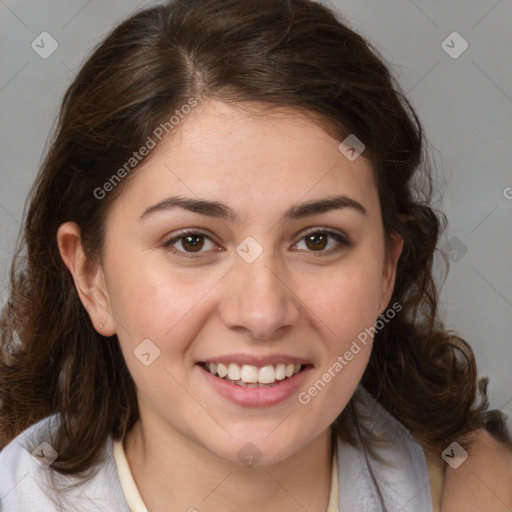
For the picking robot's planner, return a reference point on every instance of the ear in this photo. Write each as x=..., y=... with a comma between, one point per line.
x=389, y=272
x=88, y=277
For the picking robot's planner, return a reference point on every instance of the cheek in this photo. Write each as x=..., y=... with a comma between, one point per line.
x=346, y=311
x=155, y=315
x=166, y=306
x=347, y=302
x=151, y=301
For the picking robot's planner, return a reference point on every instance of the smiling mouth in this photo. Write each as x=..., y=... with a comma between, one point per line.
x=253, y=376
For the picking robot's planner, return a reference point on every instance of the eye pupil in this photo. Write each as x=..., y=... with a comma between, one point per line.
x=196, y=246
x=318, y=240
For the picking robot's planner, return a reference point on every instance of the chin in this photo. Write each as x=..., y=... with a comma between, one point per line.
x=257, y=448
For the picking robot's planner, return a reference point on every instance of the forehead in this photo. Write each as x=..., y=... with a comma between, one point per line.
x=249, y=158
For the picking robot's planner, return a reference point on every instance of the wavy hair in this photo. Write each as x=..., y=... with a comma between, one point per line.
x=275, y=53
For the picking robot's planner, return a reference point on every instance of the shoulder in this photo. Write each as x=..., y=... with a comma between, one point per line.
x=20, y=470
x=484, y=480
x=27, y=482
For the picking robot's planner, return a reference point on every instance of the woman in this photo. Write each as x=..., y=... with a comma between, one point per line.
x=227, y=299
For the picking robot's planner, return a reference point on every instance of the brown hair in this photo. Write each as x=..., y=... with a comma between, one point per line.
x=278, y=53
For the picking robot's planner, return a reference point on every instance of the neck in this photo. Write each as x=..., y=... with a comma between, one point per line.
x=176, y=474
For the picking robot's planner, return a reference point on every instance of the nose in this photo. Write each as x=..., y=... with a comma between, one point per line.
x=259, y=300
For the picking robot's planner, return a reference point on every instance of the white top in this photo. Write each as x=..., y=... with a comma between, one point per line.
x=28, y=485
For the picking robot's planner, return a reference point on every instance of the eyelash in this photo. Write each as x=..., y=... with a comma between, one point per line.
x=340, y=238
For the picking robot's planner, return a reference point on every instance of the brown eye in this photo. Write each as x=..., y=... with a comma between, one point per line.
x=325, y=242
x=316, y=241
x=193, y=243
x=189, y=243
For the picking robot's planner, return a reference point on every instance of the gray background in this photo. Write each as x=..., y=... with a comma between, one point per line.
x=465, y=104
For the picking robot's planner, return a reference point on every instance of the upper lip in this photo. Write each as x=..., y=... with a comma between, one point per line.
x=253, y=360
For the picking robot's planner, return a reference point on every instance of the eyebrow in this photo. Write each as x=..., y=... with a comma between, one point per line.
x=219, y=210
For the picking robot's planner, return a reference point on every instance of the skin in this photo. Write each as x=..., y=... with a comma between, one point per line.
x=290, y=300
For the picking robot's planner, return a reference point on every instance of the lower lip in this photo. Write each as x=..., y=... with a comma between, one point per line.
x=256, y=397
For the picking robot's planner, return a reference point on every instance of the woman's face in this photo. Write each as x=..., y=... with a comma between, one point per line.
x=265, y=286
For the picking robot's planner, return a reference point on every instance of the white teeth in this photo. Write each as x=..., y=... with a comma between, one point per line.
x=249, y=373
x=280, y=371
x=234, y=371
x=222, y=370
x=252, y=375
x=266, y=375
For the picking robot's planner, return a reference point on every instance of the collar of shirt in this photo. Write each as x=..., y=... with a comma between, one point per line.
x=134, y=499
